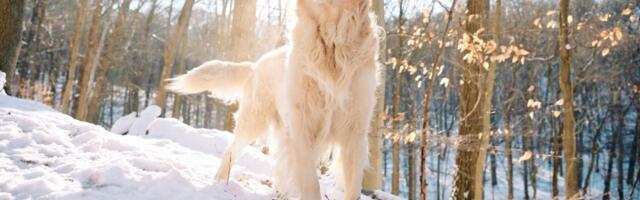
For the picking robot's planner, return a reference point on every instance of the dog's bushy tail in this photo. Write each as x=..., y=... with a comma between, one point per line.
x=224, y=80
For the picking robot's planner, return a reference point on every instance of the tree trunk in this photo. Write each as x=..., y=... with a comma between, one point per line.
x=177, y=101
x=208, y=112
x=633, y=159
x=411, y=153
x=373, y=175
x=508, y=142
x=594, y=151
x=617, y=140
x=427, y=108
x=471, y=99
x=397, y=135
x=11, y=13
x=244, y=22
x=395, y=121
x=170, y=52
x=112, y=57
x=73, y=62
x=486, y=107
x=607, y=179
x=566, y=87
x=33, y=46
x=92, y=55
x=494, y=165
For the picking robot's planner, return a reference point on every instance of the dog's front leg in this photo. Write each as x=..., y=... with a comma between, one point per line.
x=352, y=159
x=304, y=156
x=352, y=129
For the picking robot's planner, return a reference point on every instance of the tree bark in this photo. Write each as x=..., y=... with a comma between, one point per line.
x=75, y=44
x=244, y=22
x=471, y=98
x=92, y=55
x=208, y=112
x=566, y=87
x=170, y=52
x=33, y=46
x=373, y=175
x=395, y=121
x=11, y=13
x=486, y=107
x=633, y=159
x=177, y=101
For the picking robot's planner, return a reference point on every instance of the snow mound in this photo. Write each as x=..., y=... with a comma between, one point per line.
x=48, y=155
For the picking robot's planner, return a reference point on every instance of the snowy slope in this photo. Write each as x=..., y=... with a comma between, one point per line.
x=48, y=155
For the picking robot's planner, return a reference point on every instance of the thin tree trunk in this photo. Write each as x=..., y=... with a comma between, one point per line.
x=208, y=112
x=508, y=137
x=396, y=138
x=607, y=179
x=411, y=155
x=494, y=165
x=170, y=51
x=11, y=13
x=397, y=92
x=617, y=139
x=177, y=101
x=75, y=48
x=566, y=87
x=594, y=151
x=427, y=105
x=33, y=46
x=151, y=70
x=525, y=168
x=633, y=159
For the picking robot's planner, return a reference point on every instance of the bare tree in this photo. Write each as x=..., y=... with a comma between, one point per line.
x=566, y=87
x=73, y=61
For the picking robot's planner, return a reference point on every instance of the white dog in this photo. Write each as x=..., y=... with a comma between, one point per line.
x=317, y=94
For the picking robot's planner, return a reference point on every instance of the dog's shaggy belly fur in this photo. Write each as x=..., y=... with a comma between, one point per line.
x=317, y=94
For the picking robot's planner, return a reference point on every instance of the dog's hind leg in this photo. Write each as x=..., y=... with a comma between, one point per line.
x=251, y=124
x=231, y=154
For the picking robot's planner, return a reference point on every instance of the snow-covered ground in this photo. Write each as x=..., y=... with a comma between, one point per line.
x=45, y=154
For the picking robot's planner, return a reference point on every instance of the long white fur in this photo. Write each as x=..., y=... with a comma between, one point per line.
x=223, y=79
x=317, y=94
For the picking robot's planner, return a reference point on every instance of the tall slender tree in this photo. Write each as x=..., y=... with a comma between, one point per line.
x=397, y=92
x=486, y=105
x=566, y=88
x=76, y=41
